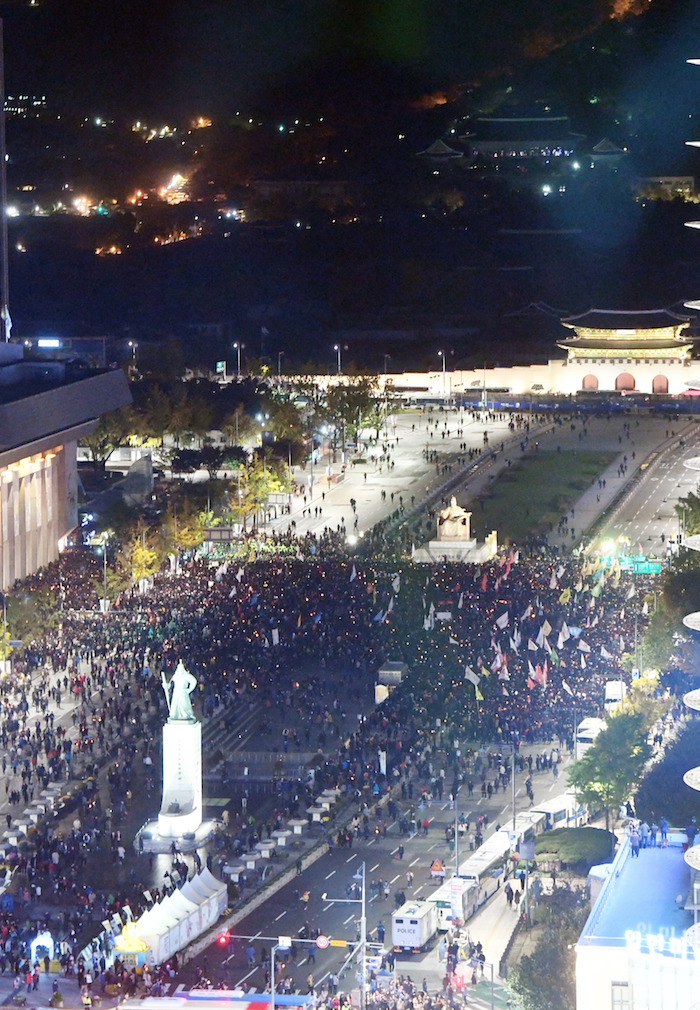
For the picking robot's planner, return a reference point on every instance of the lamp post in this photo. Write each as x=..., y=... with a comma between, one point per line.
x=239, y=347
x=441, y=354
x=133, y=345
x=360, y=876
x=337, y=349
x=279, y=368
x=283, y=943
x=387, y=357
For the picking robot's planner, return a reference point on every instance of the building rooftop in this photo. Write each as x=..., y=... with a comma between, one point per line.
x=612, y=319
x=644, y=896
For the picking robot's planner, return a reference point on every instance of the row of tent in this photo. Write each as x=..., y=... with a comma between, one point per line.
x=180, y=917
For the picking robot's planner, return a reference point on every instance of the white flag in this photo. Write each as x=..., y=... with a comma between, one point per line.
x=502, y=621
x=469, y=675
x=461, y=601
x=546, y=628
x=645, y=608
x=583, y=662
x=630, y=593
x=531, y=645
x=239, y=574
x=275, y=636
x=396, y=584
x=604, y=654
x=567, y=688
x=353, y=574
x=584, y=646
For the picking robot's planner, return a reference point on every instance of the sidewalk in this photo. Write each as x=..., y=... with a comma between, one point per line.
x=41, y=998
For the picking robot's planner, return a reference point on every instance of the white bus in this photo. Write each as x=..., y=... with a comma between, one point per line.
x=586, y=733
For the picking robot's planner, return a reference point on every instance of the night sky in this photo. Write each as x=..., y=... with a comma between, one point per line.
x=152, y=57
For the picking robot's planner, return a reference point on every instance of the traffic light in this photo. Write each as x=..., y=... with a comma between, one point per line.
x=224, y=938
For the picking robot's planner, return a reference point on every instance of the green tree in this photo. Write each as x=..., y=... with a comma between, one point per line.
x=351, y=403
x=31, y=616
x=546, y=979
x=662, y=791
x=688, y=511
x=239, y=428
x=610, y=770
x=111, y=432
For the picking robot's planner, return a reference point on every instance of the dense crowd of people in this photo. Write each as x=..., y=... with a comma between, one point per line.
x=514, y=651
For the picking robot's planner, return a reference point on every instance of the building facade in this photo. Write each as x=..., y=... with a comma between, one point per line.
x=44, y=411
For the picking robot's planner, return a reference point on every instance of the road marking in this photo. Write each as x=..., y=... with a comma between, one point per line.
x=329, y=905
x=393, y=881
x=330, y=875
x=280, y=915
x=255, y=937
x=394, y=851
x=419, y=889
x=349, y=919
x=241, y=981
x=353, y=856
x=371, y=869
x=371, y=841
x=299, y=963
x=417, y=859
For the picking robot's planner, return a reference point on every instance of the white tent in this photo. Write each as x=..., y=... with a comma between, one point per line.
x=205, y=900
x=182, y=916
x=189, y=914
x=208, y=878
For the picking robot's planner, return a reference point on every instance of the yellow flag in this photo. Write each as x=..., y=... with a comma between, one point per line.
x=485, y=672
x=478, y=694
x=565, y=596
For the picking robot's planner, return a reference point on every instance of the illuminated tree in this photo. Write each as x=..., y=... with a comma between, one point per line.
x=112, y=431
x=139, y=555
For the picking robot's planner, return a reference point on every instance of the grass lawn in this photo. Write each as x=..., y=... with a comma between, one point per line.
x=536, y=491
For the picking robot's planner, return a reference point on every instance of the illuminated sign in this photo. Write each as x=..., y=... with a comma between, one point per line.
x=659, y=943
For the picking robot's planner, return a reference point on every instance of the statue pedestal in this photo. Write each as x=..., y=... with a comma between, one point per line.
x=181, y=808
x=469, y=551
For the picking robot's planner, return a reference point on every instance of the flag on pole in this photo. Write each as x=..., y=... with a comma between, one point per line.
x=567, y=688
x=583, y=662
x=396, y=584
x=460, y=604
x=565, y=596
x=353, y=574
x=472, y=677
x=604, y=654
x=478, y=695
x=531, y=645
x=630, y=593
x=502, y=621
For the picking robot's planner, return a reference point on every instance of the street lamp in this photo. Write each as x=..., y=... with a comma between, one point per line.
x=238, y=347
x=441, y=354
x=336, y=348
x=283, y=943
x=279, y=367
x=387, y=357
x=360, y=875
x=133, y=345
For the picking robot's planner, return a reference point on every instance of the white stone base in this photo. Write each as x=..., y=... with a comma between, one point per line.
x=181, y=808
x=470, y=551
x=153, y=841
